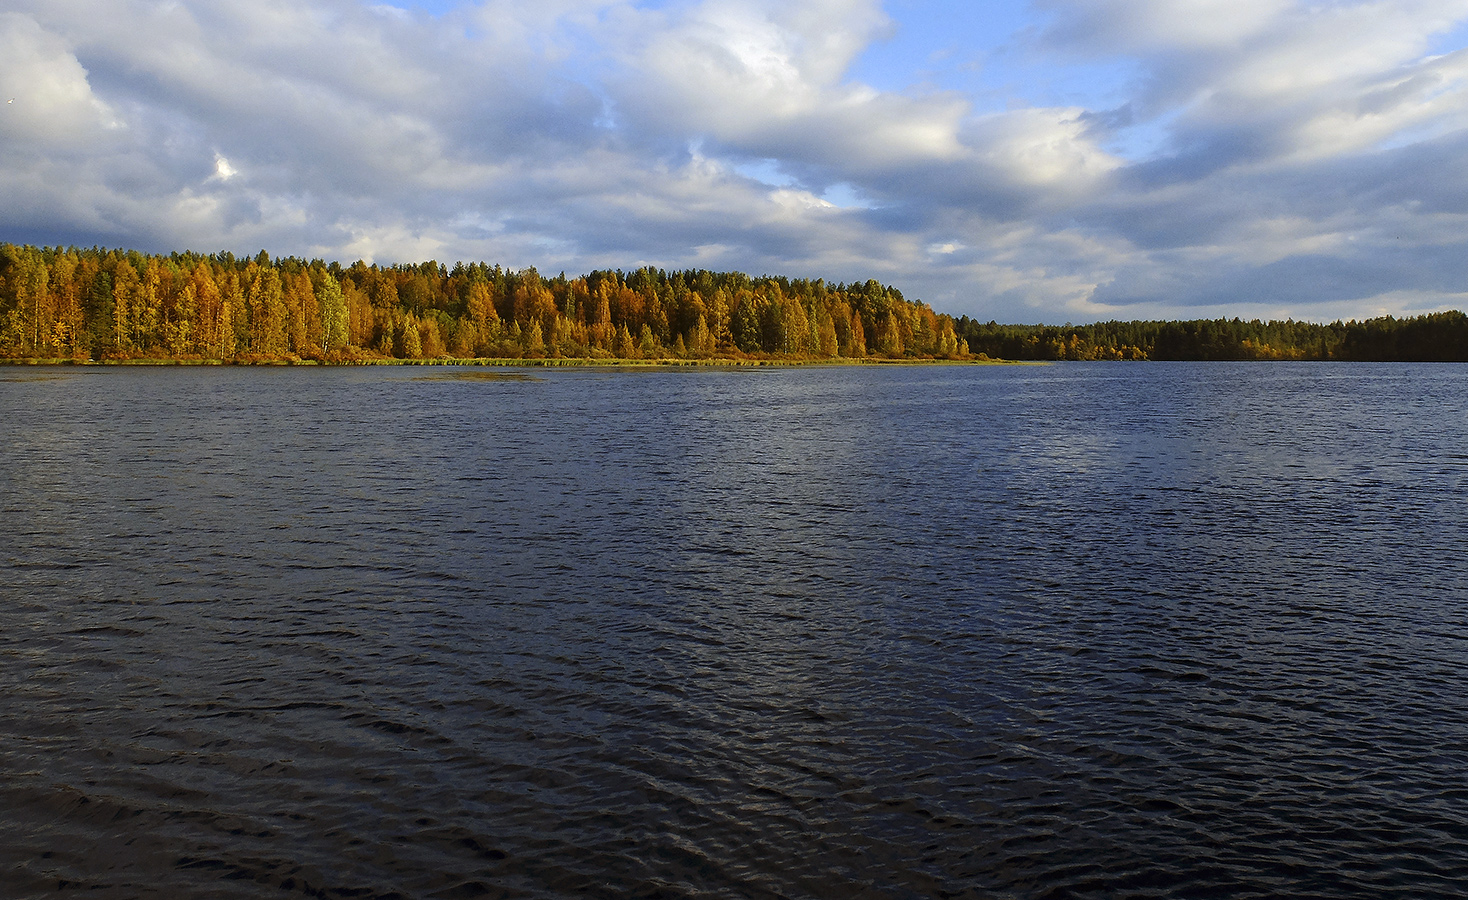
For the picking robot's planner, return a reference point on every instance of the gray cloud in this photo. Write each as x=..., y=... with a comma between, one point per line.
x=1310, y=161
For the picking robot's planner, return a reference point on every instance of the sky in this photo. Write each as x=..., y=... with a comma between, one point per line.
x=1036, y=161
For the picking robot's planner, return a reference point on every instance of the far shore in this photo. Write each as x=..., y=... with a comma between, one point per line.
x=512, y=362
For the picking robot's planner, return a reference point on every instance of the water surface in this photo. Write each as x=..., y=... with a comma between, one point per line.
x=1085, y=630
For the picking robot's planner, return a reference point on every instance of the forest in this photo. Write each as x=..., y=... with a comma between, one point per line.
x=98, y=304
x=1437, y=337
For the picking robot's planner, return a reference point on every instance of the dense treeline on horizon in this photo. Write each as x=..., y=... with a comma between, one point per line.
x=1436, y=337
x=70, y=303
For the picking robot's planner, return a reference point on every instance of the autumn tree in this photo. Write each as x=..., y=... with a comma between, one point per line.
x=481, y=307
x=64, y=314
x=302, y=314
x=30, y=280
x=332, y=311
x=127, y=300
x=430, y=337
x=124, y=303
x=234, y=318
x=857, y=348
x=622, y=346
x=266, y=303
x=601, y=329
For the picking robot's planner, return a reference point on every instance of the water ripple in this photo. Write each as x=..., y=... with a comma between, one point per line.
x=1077, y=631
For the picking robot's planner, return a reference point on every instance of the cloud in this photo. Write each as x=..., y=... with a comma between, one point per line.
x=49, y=102
x=1257, y=79
x=762, y=79
x=1305, y=159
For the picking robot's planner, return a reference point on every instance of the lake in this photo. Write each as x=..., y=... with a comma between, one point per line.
x=1081, y=630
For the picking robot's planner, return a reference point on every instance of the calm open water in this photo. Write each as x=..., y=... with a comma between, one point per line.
x=1086, y=630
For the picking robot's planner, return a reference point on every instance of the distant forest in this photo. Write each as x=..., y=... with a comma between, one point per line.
x=1438, y=337
x=69, y=303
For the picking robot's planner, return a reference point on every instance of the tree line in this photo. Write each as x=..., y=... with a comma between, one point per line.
x=1436, y=337
x=70, y=303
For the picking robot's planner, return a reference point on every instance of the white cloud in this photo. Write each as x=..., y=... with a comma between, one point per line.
x=1042, y=148
x=1429, y=97
x=49, y=100
x=765, y=79
x=1161, y=26
x=222, y=169
x=1311, y=156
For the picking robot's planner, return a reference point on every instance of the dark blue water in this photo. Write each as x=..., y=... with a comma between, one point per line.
x=1086, y=630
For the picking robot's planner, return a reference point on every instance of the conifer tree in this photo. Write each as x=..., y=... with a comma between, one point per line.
x=601, y=318
x=533, y=339
x=622, y=346
x=647, y=343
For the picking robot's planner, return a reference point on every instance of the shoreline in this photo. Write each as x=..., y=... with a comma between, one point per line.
x=512, y=362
